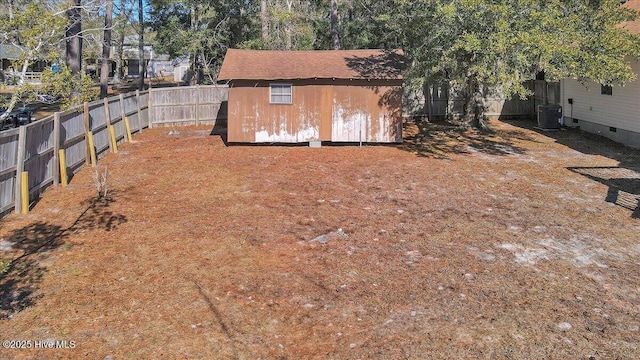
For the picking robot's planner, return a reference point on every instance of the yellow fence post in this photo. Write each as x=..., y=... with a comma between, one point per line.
x=63, y=168
x=92, y=149
x=128, y=127
x=112, y=130
x=24, y=193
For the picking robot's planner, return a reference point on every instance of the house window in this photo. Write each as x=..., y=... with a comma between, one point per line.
x=280, y=94
x=606, y=90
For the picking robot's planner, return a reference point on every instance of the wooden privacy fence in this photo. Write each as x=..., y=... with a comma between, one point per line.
x=30, y=156
x=495, y=107
x=438, y=101
x=194, y=105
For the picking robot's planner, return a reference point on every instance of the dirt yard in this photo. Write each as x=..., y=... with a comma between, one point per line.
x=455, y=245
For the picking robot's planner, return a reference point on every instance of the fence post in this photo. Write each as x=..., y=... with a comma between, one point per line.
x=56, y=148
x=112, y=132
x=197, y=105
x=127, y=127
x=63, y=168
x=92, y=152
x=24, y=192
x=22, y=142
x=107, y=119
x=87, y=130
x=139, y=111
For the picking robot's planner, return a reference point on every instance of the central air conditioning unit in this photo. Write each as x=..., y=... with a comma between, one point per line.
x=549, y=116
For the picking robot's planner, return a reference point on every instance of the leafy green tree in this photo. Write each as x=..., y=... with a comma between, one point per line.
x=369, y=24
x=282, y=25
x=35, y=32
x=72, y=89
x=37, y=29
x=496, y=45
x=202, y=30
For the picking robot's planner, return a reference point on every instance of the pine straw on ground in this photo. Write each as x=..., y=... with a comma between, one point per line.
x=459, y=245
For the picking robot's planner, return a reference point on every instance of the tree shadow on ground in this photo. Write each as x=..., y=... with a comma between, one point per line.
x=23, y=251
x=624, y=185
x=588, y=143
x=441, y=139
x=623, y=180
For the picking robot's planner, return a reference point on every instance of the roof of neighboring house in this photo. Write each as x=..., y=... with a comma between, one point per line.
x=10, y=51
x=315, y=64
x=632, y=26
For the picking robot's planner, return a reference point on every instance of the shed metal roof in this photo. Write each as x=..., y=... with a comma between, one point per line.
x=315, y=64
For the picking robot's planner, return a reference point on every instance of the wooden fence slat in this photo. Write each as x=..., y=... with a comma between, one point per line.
x=197, y=105
x=138, y=104
x=56, y=147
x=22, y=143
x=108, y=120
x=122, y=110
x=150, y=112
x=87, y=129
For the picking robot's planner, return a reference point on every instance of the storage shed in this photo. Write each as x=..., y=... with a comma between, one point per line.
x=310, y=96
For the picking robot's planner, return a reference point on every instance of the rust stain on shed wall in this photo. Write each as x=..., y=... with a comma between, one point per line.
x=322, y=110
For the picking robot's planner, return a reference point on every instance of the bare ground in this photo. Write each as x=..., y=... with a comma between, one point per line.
x=513, y=245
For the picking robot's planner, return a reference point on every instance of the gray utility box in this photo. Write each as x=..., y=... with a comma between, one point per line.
x=549, y=116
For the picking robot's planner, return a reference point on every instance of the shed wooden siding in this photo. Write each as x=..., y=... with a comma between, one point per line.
x=322, y=110
x=620, y=110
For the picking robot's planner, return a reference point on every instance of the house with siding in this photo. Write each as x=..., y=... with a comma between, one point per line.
x=314, y=96
x=610, y=111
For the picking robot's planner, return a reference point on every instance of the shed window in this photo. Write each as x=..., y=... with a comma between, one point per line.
x=281, y=93
x=606, y=90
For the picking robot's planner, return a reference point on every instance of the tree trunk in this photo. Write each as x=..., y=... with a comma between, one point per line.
x=119, y=62
x=288, y=44
x=428, y=101
x=74, y=41
x=119, y=43
x=140, y=47
x=474, y=105
x=264, y=18
x=195, y=69
x=23, y=73
x=106, y=49
x=288, y=28
x=448, y=112
x=335, y=39
x=469, y=101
